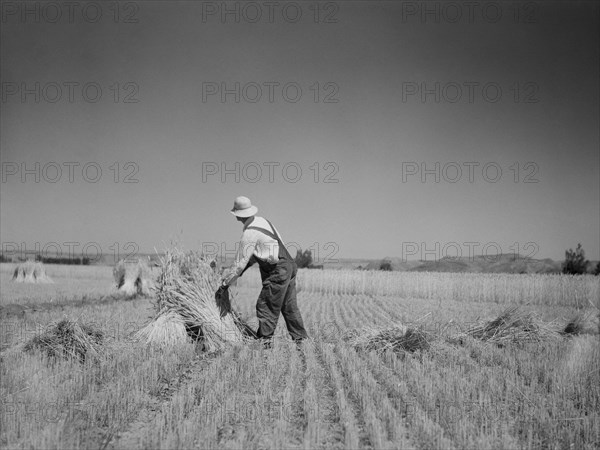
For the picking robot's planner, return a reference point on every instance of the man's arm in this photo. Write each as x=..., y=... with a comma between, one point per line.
x=243, y=258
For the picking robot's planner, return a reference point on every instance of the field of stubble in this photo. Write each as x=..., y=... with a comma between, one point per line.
x=329, y=395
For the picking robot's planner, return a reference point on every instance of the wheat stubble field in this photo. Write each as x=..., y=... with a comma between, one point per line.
x=329, y=395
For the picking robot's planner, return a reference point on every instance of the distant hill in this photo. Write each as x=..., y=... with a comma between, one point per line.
x=396, y=263
x=499, y=264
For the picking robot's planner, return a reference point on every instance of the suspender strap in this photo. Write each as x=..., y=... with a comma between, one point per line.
x=283, y=253
x=267, y=232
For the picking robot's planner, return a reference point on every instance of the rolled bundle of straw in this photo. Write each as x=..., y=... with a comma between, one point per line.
x=186, y=287
x=31, y=272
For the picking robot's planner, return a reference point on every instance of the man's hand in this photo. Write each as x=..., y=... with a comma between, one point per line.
x=228, y=278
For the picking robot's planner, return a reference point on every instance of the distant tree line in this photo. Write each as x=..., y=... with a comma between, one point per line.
x=83, y=261
x=576, y=264
x=386, y=266
x=304, y=260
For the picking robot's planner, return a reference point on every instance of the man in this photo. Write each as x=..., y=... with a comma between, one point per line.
x=262, y=243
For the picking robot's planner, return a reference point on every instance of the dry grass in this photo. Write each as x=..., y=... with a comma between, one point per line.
x=31, y=272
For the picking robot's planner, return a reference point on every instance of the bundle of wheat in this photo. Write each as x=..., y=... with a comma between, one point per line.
x=31, y=272
x=167, y=328
x=186, y=287
x=513, y=325
x=399, y=339
x=133, y=277
x=69, y=339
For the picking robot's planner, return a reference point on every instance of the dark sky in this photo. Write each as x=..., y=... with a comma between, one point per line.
x=385, y=93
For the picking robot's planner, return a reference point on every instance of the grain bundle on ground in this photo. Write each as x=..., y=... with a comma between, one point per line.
x=68, y=339
x=581, y=323
x=399, y=339
x=186, y=287
x=512, y=325
x=133, y=277
x=31, y=272
x=168, y=328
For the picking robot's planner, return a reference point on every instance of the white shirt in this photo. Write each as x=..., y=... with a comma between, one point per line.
x=257, y=243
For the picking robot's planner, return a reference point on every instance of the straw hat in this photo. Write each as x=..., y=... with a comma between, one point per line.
x=243, y=208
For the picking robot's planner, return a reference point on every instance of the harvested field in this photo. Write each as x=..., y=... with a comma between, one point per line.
x=527, y=393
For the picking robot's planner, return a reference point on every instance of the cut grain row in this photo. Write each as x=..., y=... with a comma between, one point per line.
x=424, y=431
x=321, y=416
x=384, y=424
x=347, y=414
